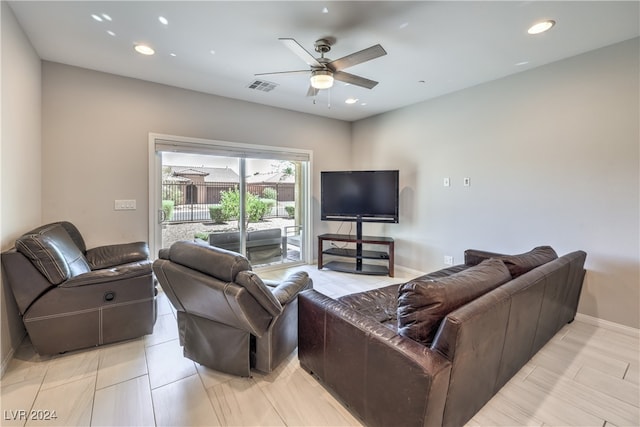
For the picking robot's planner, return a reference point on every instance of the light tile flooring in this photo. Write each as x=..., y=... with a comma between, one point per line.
x=585, y=376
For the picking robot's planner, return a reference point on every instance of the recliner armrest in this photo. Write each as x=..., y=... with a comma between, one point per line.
x=290, y=287
x=127, y=271
x=113, y=255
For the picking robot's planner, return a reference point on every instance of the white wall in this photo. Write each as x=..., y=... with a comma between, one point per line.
x=95, y=143
x=20, y=175
x=552, y=154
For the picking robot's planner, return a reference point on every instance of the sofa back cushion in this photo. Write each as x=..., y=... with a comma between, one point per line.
x=522, y=263
x=54, y=253
x=424, y=302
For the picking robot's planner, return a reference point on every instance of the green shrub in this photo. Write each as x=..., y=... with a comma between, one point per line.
x=230, y=202
x=270, y=193
x=256, y=208
x=270, y=204
x=167, y=207
x=216, y=212
x=291, y=211
x=202, y=235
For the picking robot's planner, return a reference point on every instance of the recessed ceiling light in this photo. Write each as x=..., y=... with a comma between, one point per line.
x=107, y=17
x=325, y=10
x=363, y=103
x=404, y=25
x=96, y=17
x=212, y=52
x=351, y=100
x=111, y=33
x=172, y=54
x=541, y=27
x=521, y=63
x=163, y=20
x=144, y=49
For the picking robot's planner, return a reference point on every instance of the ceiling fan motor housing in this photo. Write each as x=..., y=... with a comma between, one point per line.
x=322, y=46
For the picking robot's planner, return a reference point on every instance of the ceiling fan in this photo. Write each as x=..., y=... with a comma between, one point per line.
x=324, y=70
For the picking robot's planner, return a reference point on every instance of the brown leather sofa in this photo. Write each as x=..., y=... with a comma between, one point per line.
x=434, y=350
x=71, y=298
x=229, y=319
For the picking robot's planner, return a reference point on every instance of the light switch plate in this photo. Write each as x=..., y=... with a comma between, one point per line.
x=124, y=205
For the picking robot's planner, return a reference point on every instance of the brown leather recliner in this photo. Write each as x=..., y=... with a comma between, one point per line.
x=71, y=298
x=229, y=319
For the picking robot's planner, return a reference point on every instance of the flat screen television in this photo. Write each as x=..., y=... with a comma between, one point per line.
x=368, y=196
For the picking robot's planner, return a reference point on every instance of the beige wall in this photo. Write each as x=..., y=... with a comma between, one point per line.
x=20, y=158
x=95, y=141
x=552, y=154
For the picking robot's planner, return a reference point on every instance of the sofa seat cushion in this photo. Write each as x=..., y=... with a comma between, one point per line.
x=425, y=301
x=381, y=304
x=54, y=253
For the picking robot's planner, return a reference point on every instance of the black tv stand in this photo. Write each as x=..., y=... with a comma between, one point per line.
x=359, y=267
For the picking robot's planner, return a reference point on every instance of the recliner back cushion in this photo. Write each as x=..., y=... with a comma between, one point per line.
x=54, y=253
x=71, y=229
x=423, y=303
x=222, y=264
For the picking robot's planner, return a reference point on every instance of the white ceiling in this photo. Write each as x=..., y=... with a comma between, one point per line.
x=433, y=48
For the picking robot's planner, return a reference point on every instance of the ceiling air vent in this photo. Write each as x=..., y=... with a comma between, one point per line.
x=262, y=85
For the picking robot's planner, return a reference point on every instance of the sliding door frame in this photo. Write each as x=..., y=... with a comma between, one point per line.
x=230, y=149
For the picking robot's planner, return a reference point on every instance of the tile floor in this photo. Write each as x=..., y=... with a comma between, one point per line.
x=586, y=376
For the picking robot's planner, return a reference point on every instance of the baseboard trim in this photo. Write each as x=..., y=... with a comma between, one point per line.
x=606, y=324
x=6, y=361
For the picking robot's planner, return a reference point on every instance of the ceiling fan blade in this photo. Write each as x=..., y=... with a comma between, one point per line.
x=296, y=48
x=356, y=58
x=312, y=91
x=354, y=80
x=290, y=73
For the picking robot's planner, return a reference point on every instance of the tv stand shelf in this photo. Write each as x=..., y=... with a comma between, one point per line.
x=358, y=254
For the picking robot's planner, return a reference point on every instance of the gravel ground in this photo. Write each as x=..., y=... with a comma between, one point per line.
x=186, y=231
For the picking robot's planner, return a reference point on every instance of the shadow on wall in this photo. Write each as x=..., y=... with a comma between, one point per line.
x=13, y=331
x=610, y=279
x=407, y=205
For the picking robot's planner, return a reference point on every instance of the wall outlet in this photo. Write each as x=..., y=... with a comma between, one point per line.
x=446, y=182
x=466, y=182
x=124, y=205
x=448, y=260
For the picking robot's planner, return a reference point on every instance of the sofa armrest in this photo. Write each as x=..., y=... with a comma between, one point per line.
x=290, y=287
x=113, y=255
x=476, y=256
x=385, y=378
x=127, y=271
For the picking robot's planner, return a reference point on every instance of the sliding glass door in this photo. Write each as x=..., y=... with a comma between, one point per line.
x=248, y=199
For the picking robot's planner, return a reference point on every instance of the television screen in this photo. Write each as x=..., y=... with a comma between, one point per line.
x=371, y=195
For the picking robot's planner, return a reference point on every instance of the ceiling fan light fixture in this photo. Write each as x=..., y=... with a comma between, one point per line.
x=321, y=79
